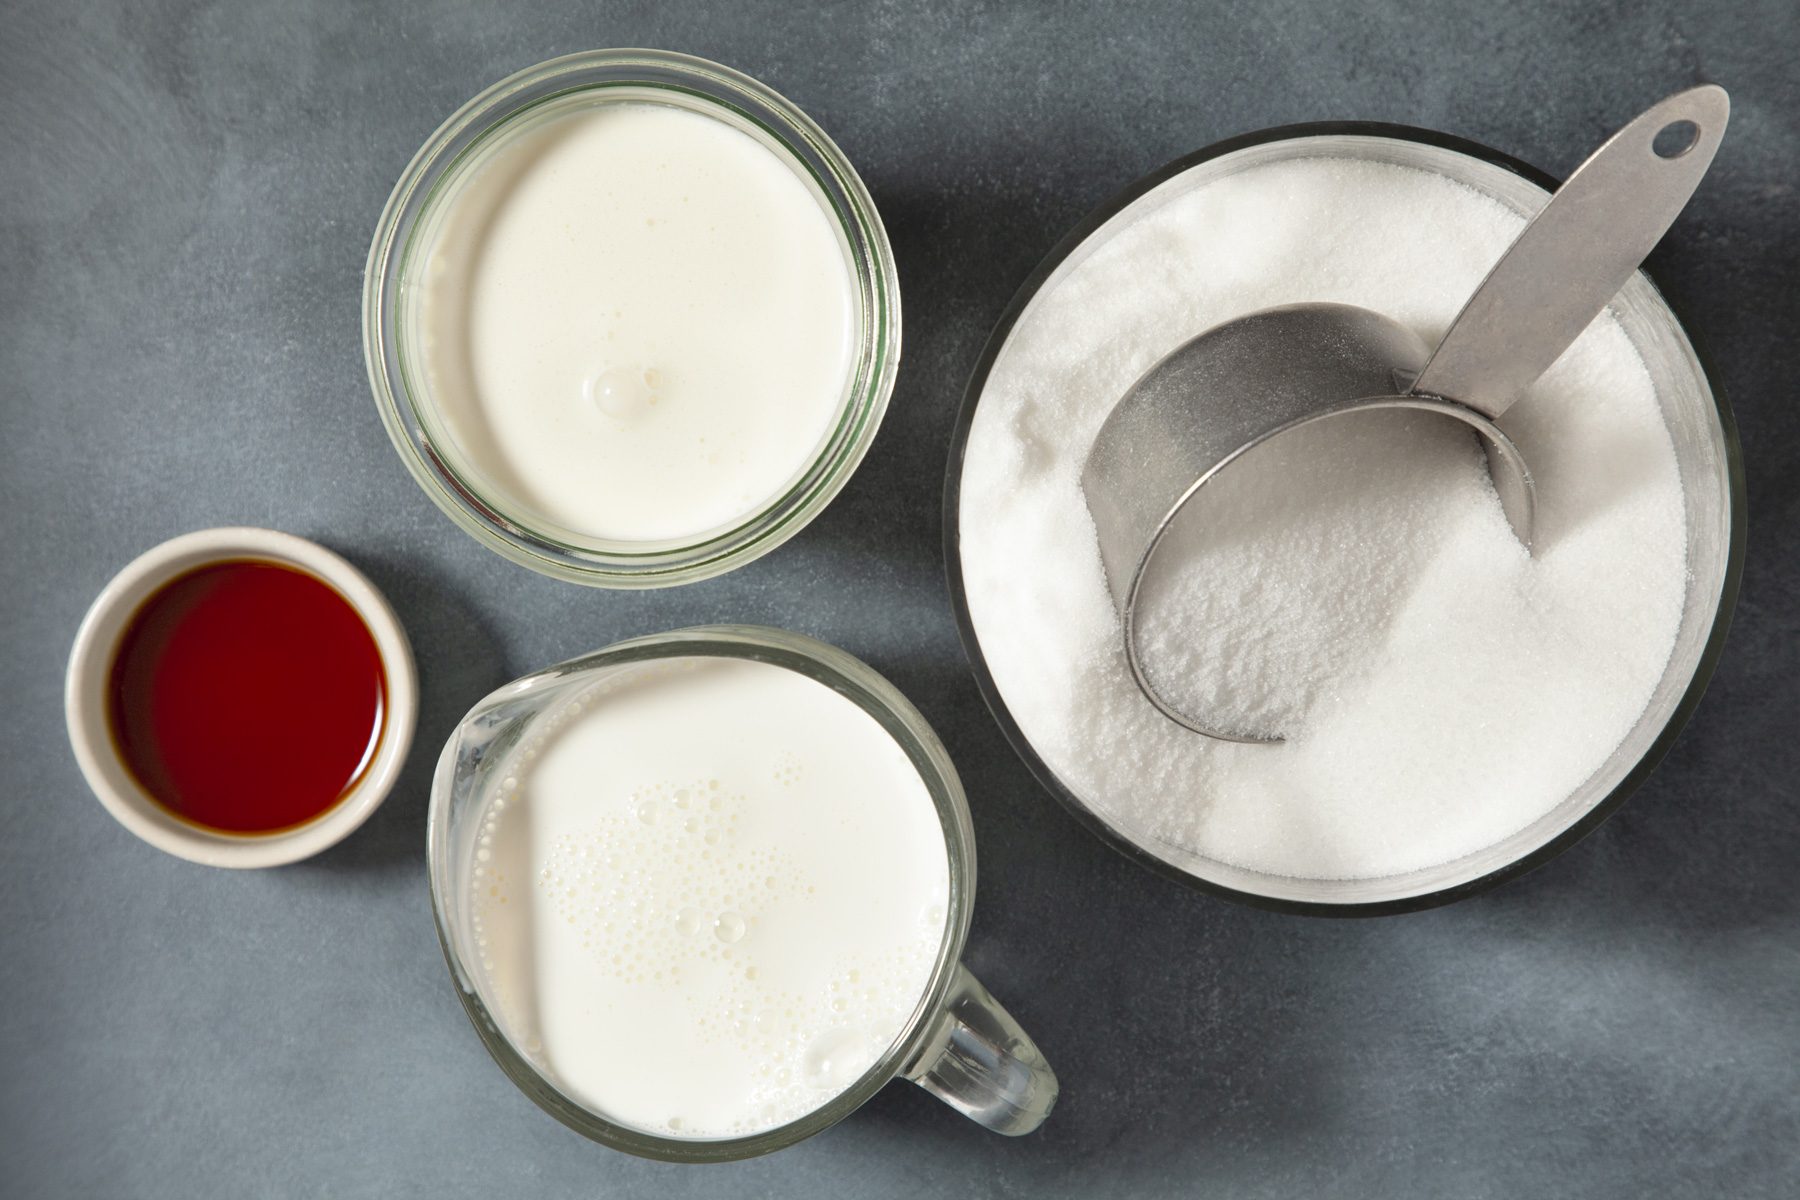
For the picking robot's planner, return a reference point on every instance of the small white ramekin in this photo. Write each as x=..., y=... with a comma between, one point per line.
x=90, y=668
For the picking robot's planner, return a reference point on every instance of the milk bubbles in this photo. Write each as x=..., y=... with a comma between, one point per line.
x=711, y=898
x=835, y=1058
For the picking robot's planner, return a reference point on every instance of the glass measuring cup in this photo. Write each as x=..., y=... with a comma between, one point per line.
x=959, y=1043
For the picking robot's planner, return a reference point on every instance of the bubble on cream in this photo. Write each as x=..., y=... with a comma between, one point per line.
x=637, y=322
x=1358, y=588
x=622, y=392
x=678, y=940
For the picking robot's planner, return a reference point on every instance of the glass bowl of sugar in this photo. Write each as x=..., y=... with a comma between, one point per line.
x=631, y=318
x=1459, y=711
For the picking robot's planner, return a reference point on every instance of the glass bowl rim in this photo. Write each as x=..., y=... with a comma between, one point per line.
x=1096, y=823
x=871, y=262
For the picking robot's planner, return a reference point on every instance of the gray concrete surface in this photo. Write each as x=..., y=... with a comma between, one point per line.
x=186, y=197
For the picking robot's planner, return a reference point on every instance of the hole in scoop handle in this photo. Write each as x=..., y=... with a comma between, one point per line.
x=1575, y=255
x=979, y=1062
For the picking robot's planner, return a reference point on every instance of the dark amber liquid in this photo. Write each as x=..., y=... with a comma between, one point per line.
x=246, y=696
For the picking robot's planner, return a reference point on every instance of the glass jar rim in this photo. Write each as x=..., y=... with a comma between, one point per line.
x=851, y=678
x=808, y=150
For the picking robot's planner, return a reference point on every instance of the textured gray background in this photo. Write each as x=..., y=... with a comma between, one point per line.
x=186, y=197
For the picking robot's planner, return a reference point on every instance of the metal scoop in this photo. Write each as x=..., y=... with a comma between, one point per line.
x=1246, y=381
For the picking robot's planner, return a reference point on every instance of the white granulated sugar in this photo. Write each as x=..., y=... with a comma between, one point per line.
x=1439, y=689
x=1278, y=582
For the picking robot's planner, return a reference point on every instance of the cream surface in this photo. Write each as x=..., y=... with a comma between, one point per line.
x=637, y=322
x=709, y=896
x=1359, y=589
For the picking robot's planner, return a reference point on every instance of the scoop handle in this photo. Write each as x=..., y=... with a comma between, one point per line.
x=1574, y=256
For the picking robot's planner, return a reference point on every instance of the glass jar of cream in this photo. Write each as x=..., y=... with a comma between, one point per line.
x=631, y=318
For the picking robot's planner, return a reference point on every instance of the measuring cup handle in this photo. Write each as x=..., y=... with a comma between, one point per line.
x=979, y=1062
x=1575, y=255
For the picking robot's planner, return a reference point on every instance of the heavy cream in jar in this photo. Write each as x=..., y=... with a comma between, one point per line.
x=636, y=322
x=708, y=896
